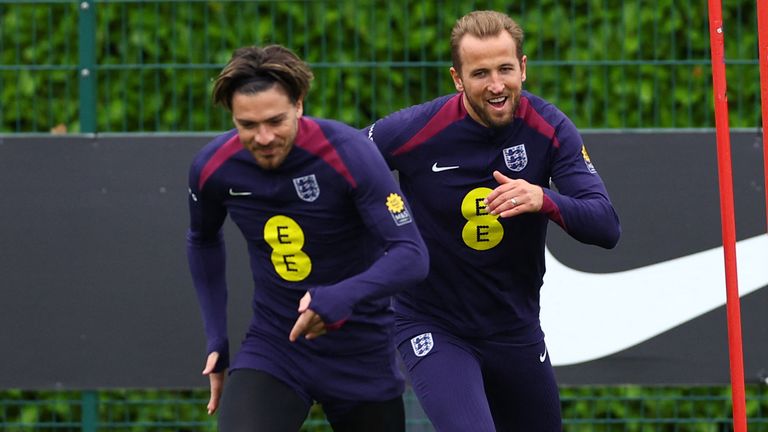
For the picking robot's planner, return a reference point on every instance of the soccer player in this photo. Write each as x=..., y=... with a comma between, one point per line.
x=477, y=166
x=330, y=239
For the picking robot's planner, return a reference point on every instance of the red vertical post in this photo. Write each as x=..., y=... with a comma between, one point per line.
x=762, y=37
x=717, y=45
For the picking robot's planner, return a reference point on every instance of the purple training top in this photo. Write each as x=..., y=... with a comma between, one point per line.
x=331, y=219
x=485, y=271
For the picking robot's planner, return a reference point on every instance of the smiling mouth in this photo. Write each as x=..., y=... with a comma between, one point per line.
x=256, y=148
x=498, y=102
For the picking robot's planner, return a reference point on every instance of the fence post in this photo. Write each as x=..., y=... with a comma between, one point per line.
x=90, y=418
x=87, y=67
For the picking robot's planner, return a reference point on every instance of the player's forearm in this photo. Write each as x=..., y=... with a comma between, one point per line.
x=404, y=264
x=207, y=264
x=591, y=220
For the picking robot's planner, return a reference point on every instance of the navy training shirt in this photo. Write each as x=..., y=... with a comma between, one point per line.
x=485, y=271
x=331, y=219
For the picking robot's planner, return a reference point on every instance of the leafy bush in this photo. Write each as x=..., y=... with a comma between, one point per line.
x=627, y=65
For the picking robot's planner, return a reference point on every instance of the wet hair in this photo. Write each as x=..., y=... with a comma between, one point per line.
x=484, y=24
x=254, y=69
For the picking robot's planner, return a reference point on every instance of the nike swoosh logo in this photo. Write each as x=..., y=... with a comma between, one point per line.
x=587, y=316
x=234, y=193
x=436, y=168
x=543, y=356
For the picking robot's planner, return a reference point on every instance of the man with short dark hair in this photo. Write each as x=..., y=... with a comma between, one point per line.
x=330, y=239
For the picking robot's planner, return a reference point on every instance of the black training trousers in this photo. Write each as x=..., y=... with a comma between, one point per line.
x=255, y=401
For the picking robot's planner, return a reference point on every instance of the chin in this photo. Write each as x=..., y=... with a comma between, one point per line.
x=501, y=122
x=266, y=164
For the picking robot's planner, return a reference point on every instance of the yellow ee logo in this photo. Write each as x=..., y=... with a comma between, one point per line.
x=286, y=238
x=482, y=231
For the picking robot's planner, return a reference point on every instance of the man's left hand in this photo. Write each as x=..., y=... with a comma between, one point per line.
x=309, y=323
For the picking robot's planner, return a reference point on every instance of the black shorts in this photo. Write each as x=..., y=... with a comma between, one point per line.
x=256, y=401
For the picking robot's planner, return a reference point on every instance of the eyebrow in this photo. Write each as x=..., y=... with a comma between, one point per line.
x=278, y=117
x=512, y=65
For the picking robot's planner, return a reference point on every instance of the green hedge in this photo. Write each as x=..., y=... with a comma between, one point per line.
x=585, y=409
x=624, y=64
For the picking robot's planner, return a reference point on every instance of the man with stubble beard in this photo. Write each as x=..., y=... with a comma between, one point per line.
x=476, y=167
x=330, y=239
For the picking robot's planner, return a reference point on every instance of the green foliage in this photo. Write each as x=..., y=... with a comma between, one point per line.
x=606, y=64
x=658, y=409
x=585, y=409
x=120, y=409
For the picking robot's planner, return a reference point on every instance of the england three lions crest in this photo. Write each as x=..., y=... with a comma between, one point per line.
x=515, y=157
x=307, y=187
x=422, y=344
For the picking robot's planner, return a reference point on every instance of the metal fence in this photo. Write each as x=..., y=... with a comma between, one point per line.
x=622, y=409
x=146, y=66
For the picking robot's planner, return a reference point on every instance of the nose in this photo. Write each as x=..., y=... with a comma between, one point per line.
x=496, y=84
x=263, y=135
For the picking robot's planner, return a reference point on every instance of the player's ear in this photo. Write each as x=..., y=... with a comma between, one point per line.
x=523, y=63
x=457, y=80
x=299, y=108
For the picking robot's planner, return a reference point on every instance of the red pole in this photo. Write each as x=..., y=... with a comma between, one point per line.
x=717, y=45
x=762, y=36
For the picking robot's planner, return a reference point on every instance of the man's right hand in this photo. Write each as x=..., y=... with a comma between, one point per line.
x=217, y=381
x=309, y=323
